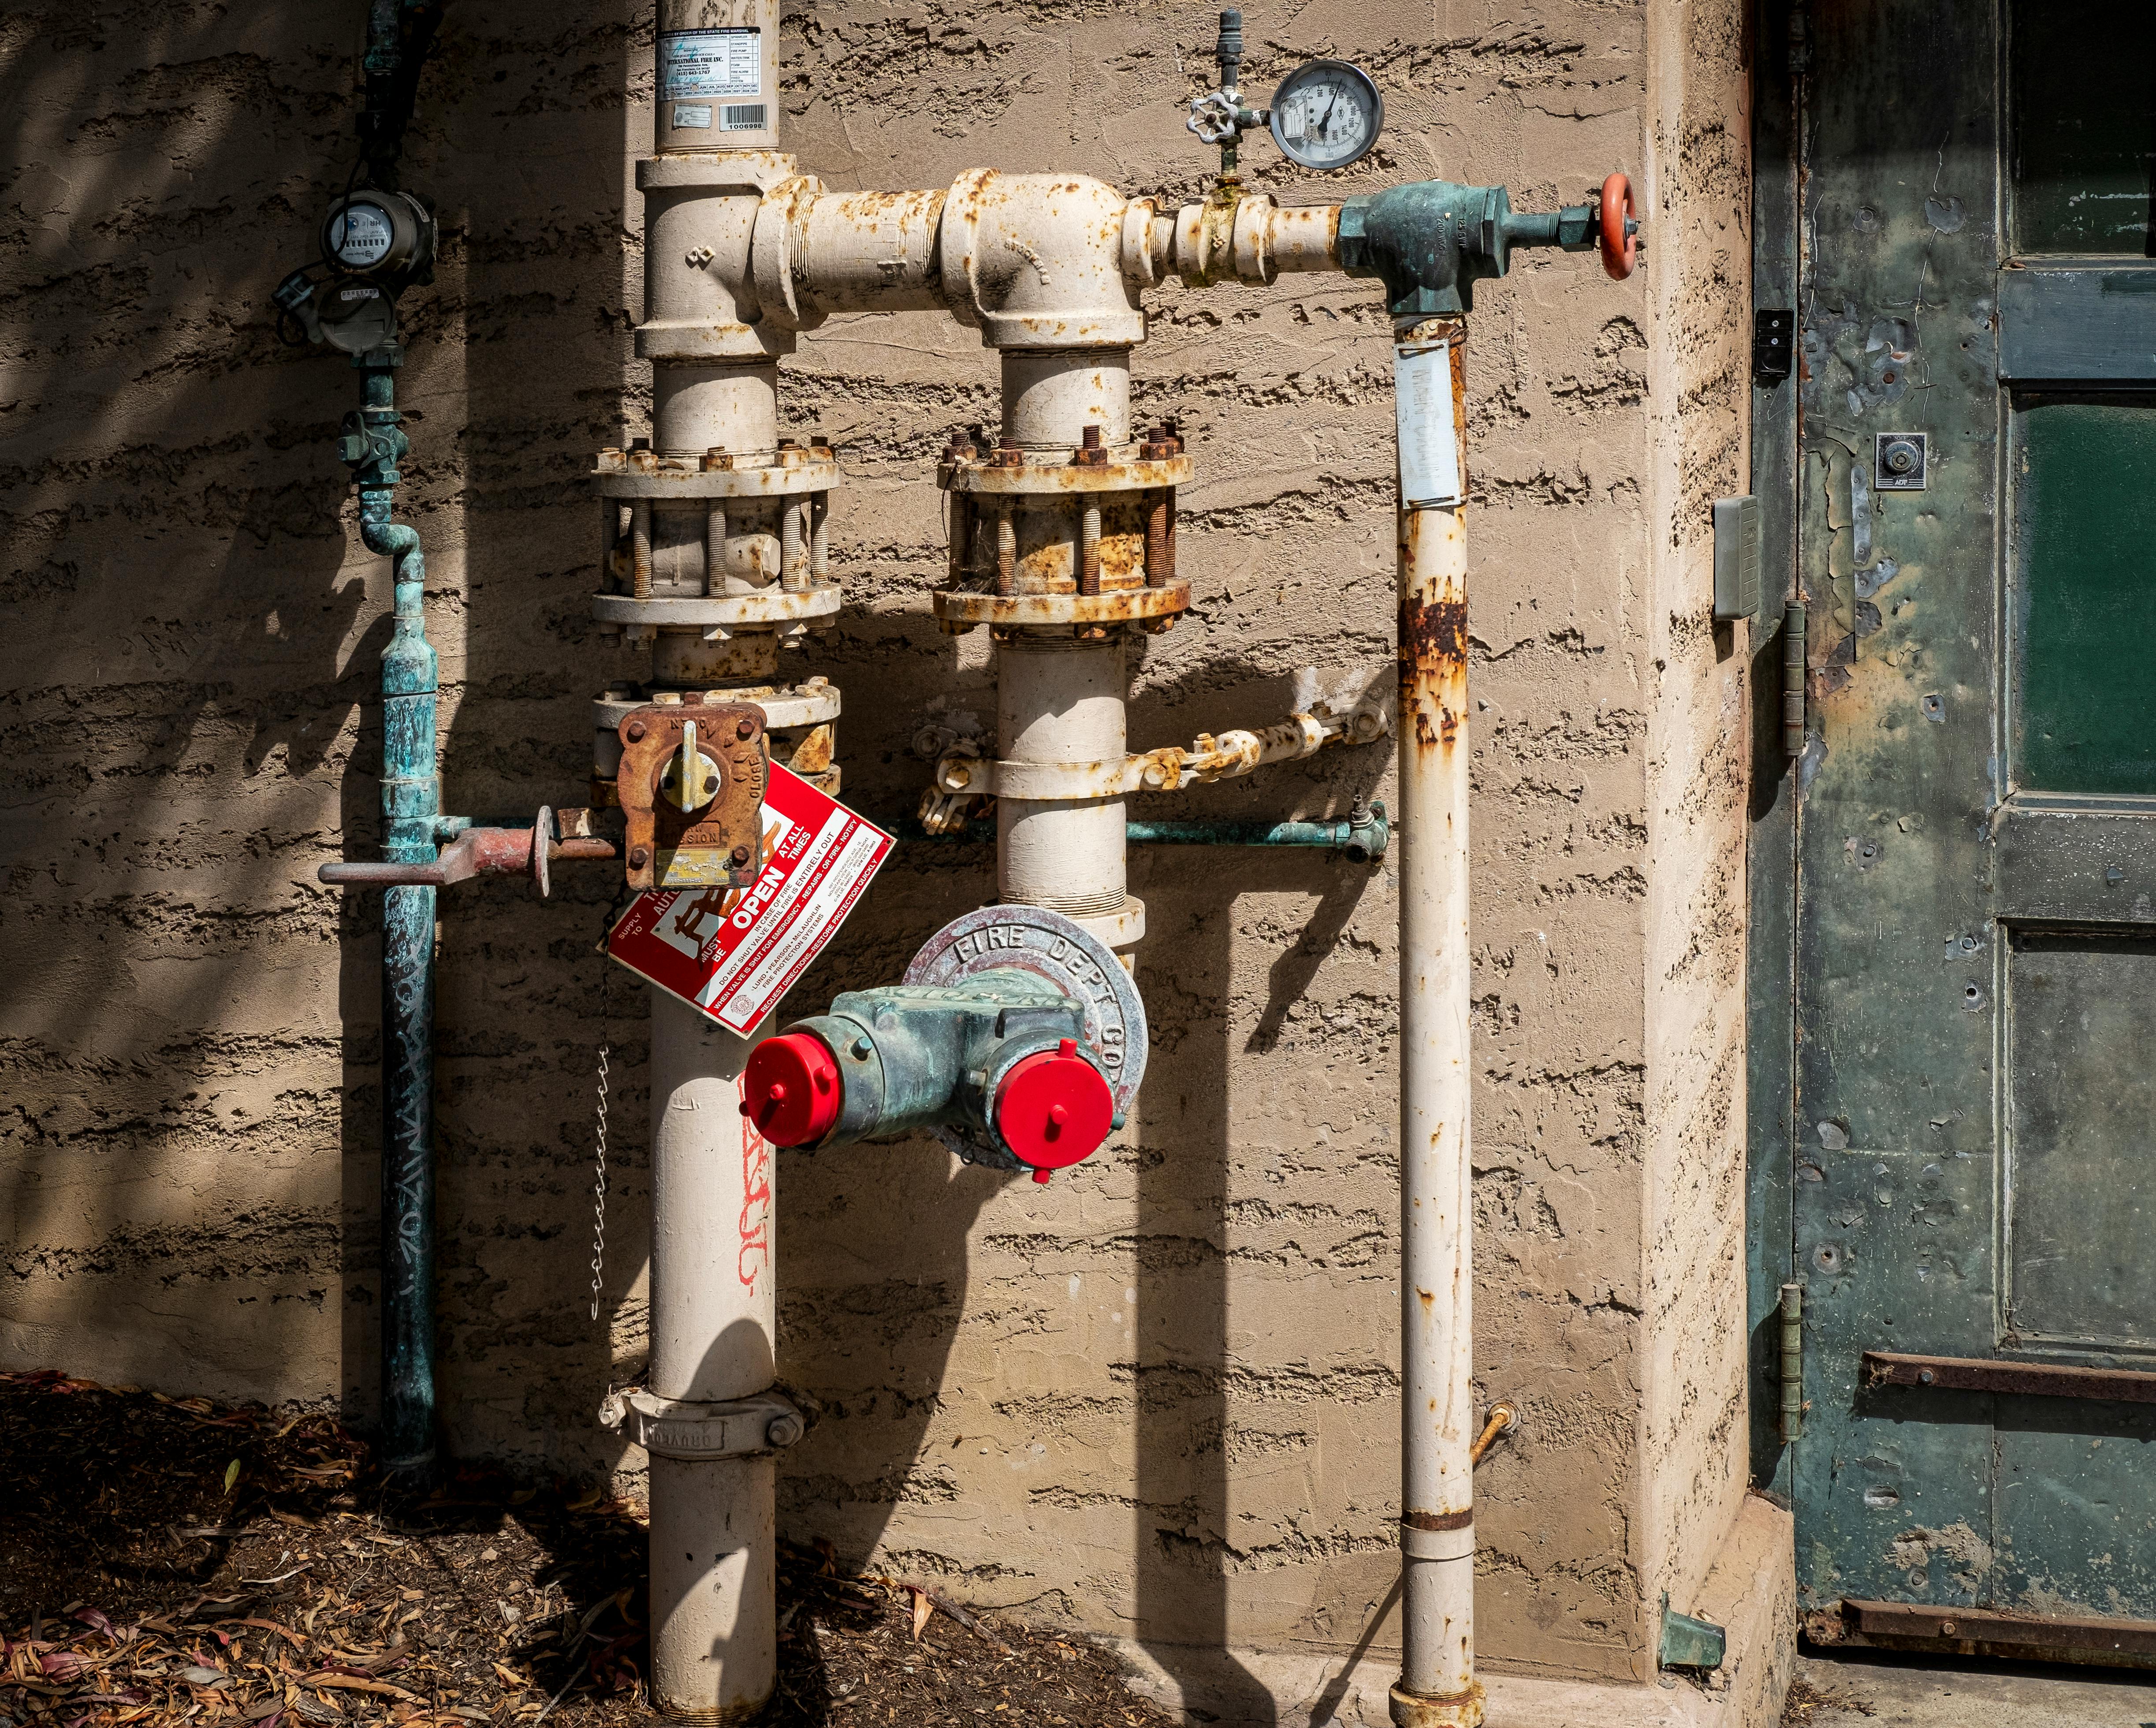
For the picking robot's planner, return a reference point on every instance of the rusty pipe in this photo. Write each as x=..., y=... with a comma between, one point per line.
x=1437, y=1687
x=1503, y=1419
x=476, y=852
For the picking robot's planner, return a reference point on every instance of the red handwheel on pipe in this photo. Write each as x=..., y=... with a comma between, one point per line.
x=1621, y=228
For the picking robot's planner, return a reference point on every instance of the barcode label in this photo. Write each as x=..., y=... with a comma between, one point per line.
x=744, y=117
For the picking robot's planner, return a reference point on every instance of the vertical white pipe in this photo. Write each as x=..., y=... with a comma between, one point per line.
x=1061, y=702
x=1059, y=699
x=714, y=1627
x=714, y=1547
x=1437, y=1669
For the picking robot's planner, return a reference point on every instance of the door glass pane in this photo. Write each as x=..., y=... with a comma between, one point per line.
x=2084, y=590
x=2084, y=126
x=2081, y=1010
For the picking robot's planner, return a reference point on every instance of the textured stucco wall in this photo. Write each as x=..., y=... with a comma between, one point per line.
x=1156, y=1397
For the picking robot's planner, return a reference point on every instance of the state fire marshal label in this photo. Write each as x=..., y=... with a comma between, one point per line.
x=734, y=952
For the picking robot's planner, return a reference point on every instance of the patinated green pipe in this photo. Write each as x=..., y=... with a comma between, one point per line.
x=1363, y=839
x=411, y=811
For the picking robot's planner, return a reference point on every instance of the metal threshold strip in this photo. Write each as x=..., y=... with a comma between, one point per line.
x=2041, y=1379
x=1984, y=1632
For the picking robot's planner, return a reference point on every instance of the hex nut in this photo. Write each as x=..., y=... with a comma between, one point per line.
x=638, y=857
x=745, y=730
x=785, y=1430
x=739, y=855
x=636, y=731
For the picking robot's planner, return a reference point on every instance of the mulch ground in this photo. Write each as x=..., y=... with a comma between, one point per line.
x=167, y=1560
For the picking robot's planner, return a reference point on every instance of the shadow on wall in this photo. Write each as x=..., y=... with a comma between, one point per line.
x=187, y=679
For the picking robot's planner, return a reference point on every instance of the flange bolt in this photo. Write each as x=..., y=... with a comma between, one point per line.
x=635, y=732
x=739, y=856
x=745, y=731
x=638, y=857
x=785, y=1430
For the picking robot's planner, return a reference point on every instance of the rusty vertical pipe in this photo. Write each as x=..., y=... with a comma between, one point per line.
x=1437, y=1510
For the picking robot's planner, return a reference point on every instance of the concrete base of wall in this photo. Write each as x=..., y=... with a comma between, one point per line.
x=1752, y=1592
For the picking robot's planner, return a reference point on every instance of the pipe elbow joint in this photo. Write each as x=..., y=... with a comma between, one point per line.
x=1037, y=262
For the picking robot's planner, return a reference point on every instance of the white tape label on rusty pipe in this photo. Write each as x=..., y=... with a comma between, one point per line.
x=1430, y=442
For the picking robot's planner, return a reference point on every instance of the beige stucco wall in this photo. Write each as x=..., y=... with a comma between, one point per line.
x=1156, y=1397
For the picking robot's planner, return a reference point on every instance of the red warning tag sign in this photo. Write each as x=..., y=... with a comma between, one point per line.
x=734, y=952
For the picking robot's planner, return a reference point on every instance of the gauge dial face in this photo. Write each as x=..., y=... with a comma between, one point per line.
x=1327, y=115
x=360, y=235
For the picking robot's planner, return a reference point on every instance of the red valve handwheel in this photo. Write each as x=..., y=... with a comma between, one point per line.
x=1054, y=1110
x=1620, y=245
x=792, y=1089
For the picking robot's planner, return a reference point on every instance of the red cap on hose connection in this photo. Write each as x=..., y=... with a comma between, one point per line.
x=792, y=1090
x=1054, y=1108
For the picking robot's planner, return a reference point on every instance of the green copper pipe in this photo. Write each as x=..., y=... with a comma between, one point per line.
x=1363, y=837
x=411, y=810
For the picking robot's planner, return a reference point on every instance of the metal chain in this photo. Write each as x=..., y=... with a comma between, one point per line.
x=599, y=1126
x=599, y=1189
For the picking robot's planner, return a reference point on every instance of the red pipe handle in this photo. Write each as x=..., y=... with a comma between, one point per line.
x=1620, y=243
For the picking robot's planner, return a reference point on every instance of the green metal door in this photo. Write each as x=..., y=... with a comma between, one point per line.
x=1969, y=1125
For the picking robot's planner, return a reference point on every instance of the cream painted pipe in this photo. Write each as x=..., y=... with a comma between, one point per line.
x=1437, y=1687
x=1061, y=702
x=715, y=383
x=1049, y=397
x=714, y=1626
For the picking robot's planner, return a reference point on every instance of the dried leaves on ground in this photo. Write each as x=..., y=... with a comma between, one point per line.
x=166, y=1559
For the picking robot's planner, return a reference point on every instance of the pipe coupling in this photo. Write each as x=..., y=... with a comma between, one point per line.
x=1457, y=1709
x=676, y=1428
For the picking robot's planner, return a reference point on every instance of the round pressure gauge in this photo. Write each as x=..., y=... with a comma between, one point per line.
x=1326, y=114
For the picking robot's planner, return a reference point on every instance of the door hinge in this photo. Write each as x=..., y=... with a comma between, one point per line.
x=1771, y=340
x=1792, y=679
x=1793, y=1363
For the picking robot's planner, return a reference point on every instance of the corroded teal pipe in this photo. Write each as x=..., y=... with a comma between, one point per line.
x=1363, y=837
x=411, y=811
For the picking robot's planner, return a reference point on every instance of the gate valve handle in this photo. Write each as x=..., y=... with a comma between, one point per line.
x=791, y=1089
x=1054, y=1110
x=1620, y=229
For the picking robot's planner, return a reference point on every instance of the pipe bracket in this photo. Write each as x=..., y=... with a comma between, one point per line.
x=676, y=1428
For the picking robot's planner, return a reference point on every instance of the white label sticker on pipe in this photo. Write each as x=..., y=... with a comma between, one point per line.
x=1429, y=441
x=704, y=64
x=734, y=952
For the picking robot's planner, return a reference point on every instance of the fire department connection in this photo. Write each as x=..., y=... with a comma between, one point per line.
x=1018, y=1034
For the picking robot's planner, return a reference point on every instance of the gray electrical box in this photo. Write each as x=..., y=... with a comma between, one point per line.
x=1736, y=557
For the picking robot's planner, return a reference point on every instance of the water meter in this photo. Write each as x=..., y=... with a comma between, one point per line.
x=378, y=234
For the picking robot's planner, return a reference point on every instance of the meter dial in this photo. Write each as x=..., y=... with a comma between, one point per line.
x=360, y=235
x=1326, y=114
